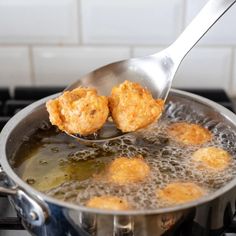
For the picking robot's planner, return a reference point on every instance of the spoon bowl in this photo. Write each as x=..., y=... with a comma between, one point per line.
x=154, y=72
x=150, y=71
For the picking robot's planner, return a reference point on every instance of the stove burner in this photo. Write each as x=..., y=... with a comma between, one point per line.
x=23, y=96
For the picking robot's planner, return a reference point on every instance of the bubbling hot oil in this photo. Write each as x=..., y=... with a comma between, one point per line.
x=169, y=161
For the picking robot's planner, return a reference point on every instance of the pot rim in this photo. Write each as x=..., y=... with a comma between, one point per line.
x=13, y=122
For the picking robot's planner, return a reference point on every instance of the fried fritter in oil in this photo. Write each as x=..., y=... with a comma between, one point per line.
x=190, y=134
x=125, y=170
x=212, y=158
x=108, y=203
x=176, y=193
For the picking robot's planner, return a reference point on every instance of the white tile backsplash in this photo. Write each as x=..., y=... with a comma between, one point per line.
x=69, y=38
x=62, y=66
x=131, y=21
x=205, y=68
x=202, y=67
x=14, y=66
x=38, y=21
x=145, y=51
x=223, y=32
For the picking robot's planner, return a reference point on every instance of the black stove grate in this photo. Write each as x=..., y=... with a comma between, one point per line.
x=23, y=96
x=11, y=223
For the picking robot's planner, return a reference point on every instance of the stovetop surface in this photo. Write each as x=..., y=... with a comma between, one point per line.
x=11, y=103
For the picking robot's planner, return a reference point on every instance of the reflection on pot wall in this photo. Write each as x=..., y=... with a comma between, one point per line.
x=199, y=221
x=58, y=41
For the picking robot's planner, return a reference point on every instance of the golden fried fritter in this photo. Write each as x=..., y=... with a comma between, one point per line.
x=178, y=192
x=125, y=170
x=133, y=107
x=188, y=133
x=212, y=158
x=108, y=203
x=80, y=111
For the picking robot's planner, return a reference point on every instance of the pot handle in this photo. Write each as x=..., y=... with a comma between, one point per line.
x=29, y=208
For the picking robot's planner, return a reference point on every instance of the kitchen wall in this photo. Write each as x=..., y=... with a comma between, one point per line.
x=54, y=42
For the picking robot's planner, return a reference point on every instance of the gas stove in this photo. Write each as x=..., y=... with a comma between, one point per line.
x=11, y=103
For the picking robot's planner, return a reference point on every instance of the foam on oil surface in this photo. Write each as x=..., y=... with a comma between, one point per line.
x=169, y=161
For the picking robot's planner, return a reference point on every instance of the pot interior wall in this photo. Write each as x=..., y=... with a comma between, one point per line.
x=24, y=128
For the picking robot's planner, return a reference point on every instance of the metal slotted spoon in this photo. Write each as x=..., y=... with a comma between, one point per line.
x=155, y=72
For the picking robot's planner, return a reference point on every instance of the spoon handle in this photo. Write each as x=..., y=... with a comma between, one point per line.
x=206, y=18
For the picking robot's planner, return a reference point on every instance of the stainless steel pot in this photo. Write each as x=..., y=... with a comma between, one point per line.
x=44, y=215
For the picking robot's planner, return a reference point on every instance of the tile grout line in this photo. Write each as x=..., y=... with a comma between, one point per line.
x=184, y=2
x=79, y=21
x=231, y=82
x=31, y=60
x=108, y=45
x=131, y=51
